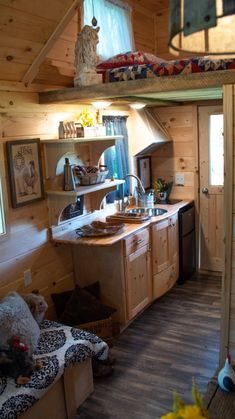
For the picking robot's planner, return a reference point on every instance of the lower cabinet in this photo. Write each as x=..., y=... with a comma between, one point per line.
x=131, y=275
x=165, y=255
x=138, y=276
x=123, y=270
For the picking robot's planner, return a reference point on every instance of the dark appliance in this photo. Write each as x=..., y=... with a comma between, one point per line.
x=187, y=246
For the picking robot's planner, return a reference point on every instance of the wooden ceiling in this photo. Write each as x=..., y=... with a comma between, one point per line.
x=37, y=37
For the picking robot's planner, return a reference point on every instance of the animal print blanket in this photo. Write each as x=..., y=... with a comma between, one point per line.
x=59, y=346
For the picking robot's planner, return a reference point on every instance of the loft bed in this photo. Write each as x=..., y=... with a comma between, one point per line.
x=147, y=78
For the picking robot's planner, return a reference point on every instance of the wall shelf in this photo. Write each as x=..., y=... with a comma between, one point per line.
x=55, y=149
x=89, y=150
x=82, y=190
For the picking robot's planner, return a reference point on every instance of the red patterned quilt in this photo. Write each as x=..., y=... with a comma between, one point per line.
x=165, y=68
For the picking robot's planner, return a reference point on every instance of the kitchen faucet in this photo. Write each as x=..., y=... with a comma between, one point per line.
x=140, y=190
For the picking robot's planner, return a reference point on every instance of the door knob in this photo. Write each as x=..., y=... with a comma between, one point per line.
x=205, y=190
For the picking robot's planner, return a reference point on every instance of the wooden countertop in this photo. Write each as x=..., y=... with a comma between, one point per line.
x=70, y=237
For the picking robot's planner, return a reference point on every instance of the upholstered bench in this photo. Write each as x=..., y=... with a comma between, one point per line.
x=64, y=381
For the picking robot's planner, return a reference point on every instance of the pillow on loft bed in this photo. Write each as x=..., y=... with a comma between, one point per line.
x=129, y=58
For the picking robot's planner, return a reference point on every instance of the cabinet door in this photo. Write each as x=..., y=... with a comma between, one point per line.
x=161, y=252
x=138, y=281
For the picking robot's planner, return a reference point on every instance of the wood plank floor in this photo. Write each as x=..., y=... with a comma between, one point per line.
x=175, y=339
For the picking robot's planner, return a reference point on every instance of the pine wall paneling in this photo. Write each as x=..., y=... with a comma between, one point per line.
x=180, y=155
x=27, y=245
x=58, y=67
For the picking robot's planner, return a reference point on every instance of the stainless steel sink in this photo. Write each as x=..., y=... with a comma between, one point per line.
x=152, y=212
x=137, y=211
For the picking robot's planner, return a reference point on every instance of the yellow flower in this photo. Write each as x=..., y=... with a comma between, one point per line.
x=191, y=412
x=86, y=118
x=188, y=411
x=169, y=416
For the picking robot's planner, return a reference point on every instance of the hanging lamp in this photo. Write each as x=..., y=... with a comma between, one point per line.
x=202, y=27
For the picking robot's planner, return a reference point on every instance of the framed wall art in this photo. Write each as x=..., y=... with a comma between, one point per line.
x=144, y=171
x=25, y=171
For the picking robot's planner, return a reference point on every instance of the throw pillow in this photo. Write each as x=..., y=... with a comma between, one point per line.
x=129, y=58
x=82, y=307
x=60, y=299
x=17, y=320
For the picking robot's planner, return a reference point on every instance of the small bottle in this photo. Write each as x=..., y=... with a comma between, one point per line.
x=61, y=130
x=69, y=184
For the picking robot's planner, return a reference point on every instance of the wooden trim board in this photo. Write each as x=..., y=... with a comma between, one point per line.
x=228, y=219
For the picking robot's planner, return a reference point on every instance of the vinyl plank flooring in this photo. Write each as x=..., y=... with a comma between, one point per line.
x=174, y=340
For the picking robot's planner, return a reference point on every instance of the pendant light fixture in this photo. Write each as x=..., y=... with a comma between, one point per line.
x=202, y=27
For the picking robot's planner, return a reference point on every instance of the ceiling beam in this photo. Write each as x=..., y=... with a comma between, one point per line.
x=139, y=87
x=34, y=67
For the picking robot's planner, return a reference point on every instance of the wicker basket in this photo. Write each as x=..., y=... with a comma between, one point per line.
x=102, y=328
x=92, y=178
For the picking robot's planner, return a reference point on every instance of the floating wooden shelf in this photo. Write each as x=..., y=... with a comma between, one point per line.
x=55, y=150
x=82, y=190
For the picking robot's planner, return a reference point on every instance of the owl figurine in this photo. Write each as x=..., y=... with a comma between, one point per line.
x=226, y=376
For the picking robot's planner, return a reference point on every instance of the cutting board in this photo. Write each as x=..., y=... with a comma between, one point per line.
x=128, y=218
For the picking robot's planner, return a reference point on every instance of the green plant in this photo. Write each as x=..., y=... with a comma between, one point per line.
x=160, y=185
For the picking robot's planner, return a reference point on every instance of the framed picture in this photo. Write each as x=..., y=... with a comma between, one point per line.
x=144, y=171
x=25, y=171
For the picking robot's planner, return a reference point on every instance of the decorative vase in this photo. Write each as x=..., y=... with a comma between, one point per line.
x=226, y=376
x=162, y=196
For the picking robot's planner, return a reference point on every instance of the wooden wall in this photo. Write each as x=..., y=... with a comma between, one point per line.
x=27, y=245
x=181, y=154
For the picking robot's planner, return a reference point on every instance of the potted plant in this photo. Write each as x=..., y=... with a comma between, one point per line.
x=162, y=188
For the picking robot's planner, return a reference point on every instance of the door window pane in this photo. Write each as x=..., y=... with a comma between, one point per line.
x=216, y=150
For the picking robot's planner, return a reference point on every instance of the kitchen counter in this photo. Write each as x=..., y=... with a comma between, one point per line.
x=70, y=237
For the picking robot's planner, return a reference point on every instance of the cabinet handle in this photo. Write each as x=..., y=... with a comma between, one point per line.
x=139, y=241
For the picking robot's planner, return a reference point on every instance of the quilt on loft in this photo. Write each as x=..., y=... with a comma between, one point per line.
x=111, y=72
x=59, y=346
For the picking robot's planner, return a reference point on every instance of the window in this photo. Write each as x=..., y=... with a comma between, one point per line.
x=116, y=157
x=216, y=150
x=114, y=20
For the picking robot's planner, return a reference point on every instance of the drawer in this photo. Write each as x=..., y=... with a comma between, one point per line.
x=164, y=281
x=135, y=241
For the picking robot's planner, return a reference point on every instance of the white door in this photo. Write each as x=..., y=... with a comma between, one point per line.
x=211, y=164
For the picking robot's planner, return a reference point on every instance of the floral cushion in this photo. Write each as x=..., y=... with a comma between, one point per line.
x=129, y=58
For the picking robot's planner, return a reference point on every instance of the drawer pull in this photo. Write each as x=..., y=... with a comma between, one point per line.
x=138, y=241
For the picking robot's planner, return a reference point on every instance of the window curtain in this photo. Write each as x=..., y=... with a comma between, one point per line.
x=114, y=20
x=116, y=158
